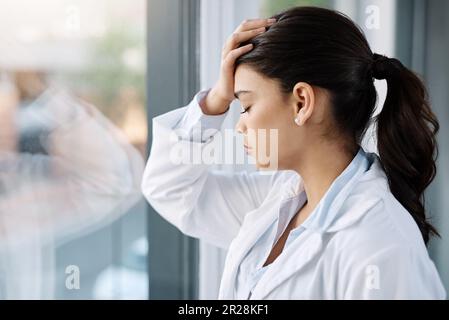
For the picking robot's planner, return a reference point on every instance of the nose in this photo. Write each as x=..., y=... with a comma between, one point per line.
x=240, y=126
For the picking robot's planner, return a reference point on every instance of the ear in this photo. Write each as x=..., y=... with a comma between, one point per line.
x=304, y=99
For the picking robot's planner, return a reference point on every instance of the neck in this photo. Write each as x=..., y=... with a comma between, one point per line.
x=319, y=168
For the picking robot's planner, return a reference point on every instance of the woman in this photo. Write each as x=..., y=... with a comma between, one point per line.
x=333, y=222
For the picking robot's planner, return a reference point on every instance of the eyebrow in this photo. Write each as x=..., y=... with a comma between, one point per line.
x=238, y=93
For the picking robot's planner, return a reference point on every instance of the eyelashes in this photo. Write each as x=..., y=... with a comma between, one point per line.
x=245, y=110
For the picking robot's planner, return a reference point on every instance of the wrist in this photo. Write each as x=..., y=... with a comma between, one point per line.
x=214, y=104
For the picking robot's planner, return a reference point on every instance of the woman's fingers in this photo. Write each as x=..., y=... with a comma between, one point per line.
x=248, y=29
x=236, y=38
x=254, y=24
x=224, y=88
x=228, y=62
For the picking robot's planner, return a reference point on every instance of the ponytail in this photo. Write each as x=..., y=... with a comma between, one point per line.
x=406, y=129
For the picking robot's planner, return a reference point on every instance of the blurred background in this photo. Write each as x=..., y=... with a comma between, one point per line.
x=97, y=51
x=124, y=62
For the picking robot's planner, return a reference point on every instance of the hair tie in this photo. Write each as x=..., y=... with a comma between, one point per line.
x=380, y=66
x=383, y=67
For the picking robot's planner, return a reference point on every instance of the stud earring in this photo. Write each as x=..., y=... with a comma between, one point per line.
x=297, y=121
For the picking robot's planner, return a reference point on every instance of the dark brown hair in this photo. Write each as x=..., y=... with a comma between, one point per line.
x=326, y=49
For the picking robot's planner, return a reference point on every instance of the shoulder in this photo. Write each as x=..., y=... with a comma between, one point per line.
x=379, y=222
x=373, y=223
x=385, y=244
x=371, y=213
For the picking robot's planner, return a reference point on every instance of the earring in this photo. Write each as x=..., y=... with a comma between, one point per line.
x=299, y=116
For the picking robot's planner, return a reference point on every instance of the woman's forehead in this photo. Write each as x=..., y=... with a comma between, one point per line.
x=249, y=82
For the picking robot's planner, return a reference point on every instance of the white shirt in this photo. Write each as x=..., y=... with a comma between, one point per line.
x=359, y=242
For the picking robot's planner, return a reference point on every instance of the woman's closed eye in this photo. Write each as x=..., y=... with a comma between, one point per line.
x=245, y=109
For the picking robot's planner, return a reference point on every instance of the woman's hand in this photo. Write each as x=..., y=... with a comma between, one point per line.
x=222, y=94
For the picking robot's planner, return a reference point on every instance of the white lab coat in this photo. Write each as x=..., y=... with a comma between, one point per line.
x=366, y=246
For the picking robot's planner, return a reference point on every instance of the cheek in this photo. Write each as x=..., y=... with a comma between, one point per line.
x=271, y=123
x=264, y=135
x=258, y=126
x=285, y=141
x=265, y=116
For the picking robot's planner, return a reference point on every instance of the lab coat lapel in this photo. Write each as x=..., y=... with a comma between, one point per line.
x=360, y=201
x=306, y=247
x=296, y=257
x=254, y=227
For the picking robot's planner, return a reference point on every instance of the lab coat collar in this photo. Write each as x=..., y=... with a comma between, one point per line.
x=326, y=219
x=327, y=216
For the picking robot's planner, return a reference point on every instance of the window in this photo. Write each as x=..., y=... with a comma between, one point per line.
x=81, y=238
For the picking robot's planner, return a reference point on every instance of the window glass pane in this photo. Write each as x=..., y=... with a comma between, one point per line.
x=73, y=133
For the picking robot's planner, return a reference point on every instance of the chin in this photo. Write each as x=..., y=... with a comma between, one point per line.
x=271, y=166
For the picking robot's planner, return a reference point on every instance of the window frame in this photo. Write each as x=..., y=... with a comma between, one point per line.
x=172, y=55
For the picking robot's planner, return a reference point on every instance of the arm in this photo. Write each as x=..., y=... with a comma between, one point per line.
x=201, y=202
